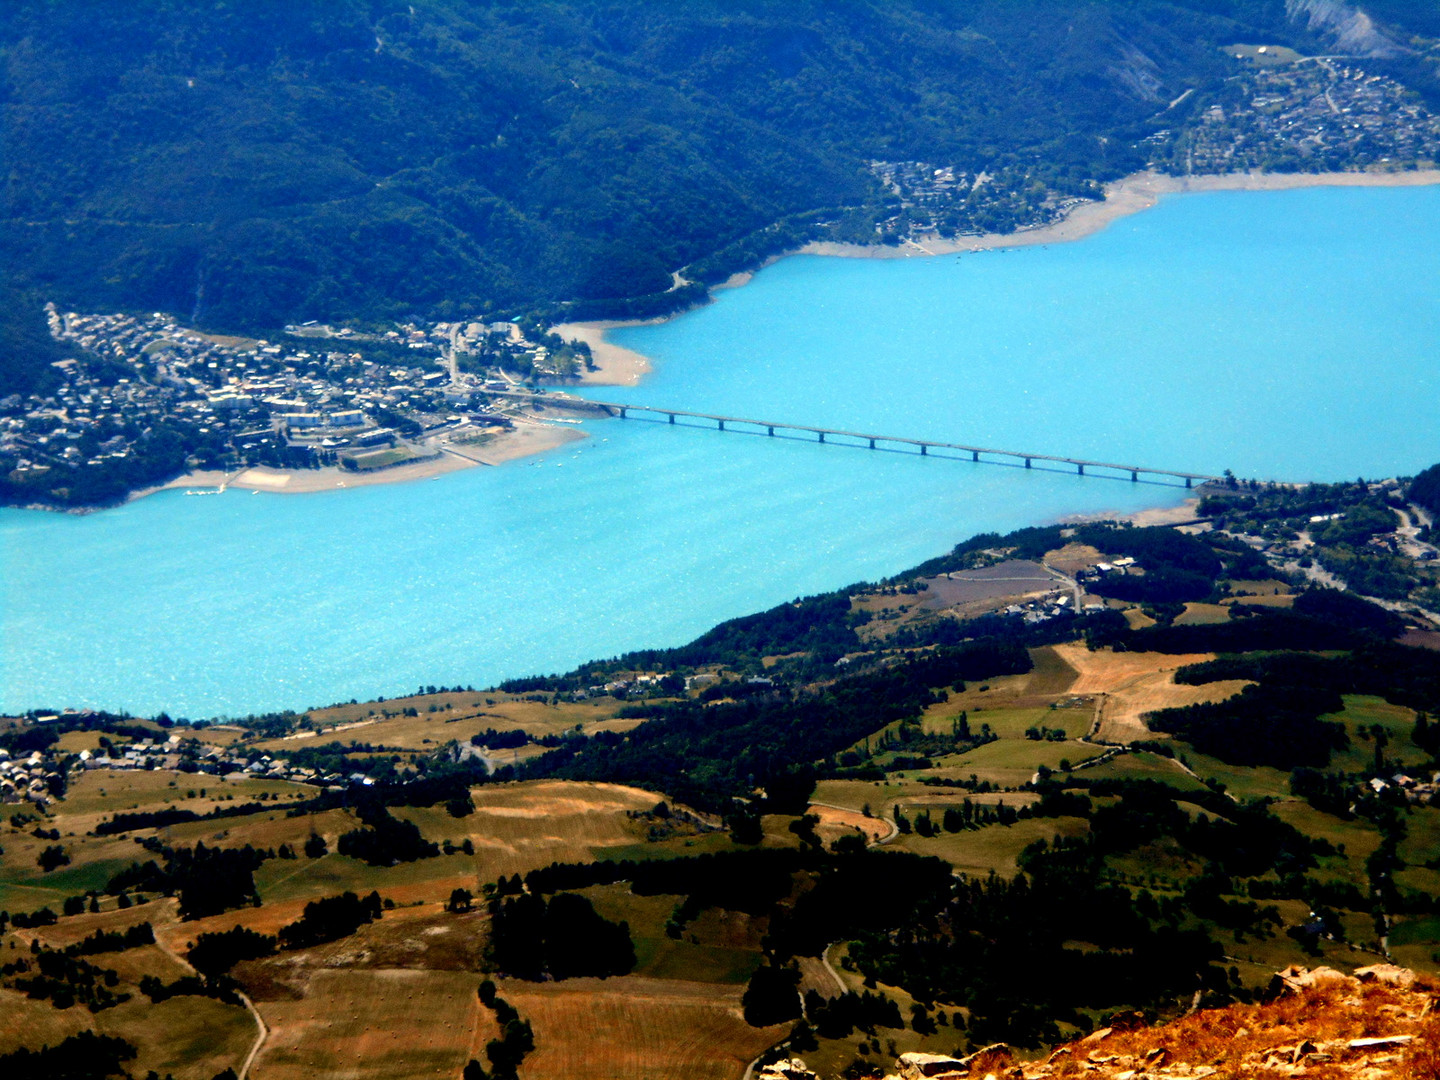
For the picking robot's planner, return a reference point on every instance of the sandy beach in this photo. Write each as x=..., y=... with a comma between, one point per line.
x=525, y=439
x=1182, y=514
x=614, y=365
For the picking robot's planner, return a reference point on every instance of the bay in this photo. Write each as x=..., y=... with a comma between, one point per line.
x=1285, y=335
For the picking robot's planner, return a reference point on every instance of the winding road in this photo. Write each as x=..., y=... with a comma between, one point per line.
x=262, y=1032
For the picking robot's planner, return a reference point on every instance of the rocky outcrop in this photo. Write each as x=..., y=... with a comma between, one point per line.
x=1349, y=29
x=786, y=1069
x=930, y=1066
x=1381, y=1023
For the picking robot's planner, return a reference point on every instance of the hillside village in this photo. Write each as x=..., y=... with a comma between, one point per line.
x=1278, y=112
x=145, y=397
x=1286, y=113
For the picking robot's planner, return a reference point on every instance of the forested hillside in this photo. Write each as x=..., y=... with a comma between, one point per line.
x=248, y=165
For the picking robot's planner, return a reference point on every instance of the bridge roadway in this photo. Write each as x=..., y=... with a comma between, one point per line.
x=925, y=445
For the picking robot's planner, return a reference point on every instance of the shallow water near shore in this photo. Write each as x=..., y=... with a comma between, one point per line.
x=1284, y=335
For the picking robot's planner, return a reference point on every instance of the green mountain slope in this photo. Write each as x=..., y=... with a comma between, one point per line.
x=251, y=164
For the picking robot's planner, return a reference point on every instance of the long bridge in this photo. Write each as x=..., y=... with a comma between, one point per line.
x=874, y=442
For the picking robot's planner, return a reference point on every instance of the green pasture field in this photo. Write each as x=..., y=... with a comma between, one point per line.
x=1050, y=674
x=1363, y=712
x=995, y=847
x=1011, y=723
x=1422, y=835
x=1241, y=781
x=1160, y=864
x=1012, y=763
x=717, y=947
x=1144, y=765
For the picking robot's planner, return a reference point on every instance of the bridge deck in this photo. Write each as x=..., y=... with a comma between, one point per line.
x=616, y=408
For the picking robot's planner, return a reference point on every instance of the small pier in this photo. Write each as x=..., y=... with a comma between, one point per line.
x=839, y=436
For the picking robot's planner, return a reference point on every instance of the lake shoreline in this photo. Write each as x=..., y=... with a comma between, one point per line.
x=1129, y=195
x=616, y=365
x=525, y=440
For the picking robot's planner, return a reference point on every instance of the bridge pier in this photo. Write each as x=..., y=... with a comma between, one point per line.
x=722, y=425
x=872, y=444
x=672, y=418
x=1134, y=476
x=1079, y=469
x=924, y=449
x=770, y=431
x=822, y=436
x=1187, y=481
x=622, y=413
x=1027, y=463
x=974, y=455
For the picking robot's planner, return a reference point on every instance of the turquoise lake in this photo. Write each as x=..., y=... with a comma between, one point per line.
x=1287, y=335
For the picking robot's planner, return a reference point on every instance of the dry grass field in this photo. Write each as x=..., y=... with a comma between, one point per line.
x=100, y=793
x=1129, y=685
x=375, y=1025
x=445, y=717
x=190, y=1037
x=634, y=1028
x=1202, y=615
x=835, y=823
x=268, y=830
x=1101, y=671
x=1073, y=558
x=1137, y=619
x=517, y=827
x=1121, y=714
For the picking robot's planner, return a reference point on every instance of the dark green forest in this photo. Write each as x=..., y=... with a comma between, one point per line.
x=245, y=165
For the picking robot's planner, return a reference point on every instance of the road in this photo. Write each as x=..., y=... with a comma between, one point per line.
x=262, y=1032
x=825, y=959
